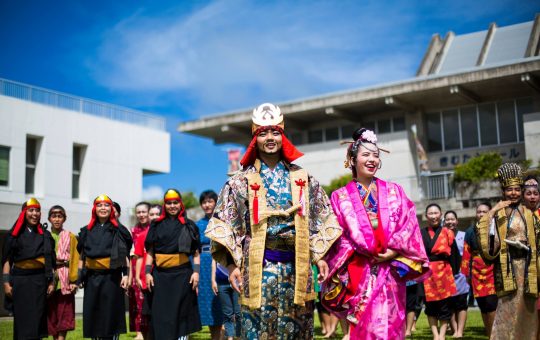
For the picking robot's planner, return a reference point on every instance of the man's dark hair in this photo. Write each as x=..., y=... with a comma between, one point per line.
x=433, y=205
x=210, y=194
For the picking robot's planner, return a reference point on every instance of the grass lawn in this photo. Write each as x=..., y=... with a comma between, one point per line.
x=474, y=329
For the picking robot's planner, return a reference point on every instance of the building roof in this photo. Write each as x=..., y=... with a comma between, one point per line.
x=455, y=71
x=69, y=102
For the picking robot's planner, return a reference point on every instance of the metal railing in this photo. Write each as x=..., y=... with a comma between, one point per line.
x=78, y=104
x=438, y=185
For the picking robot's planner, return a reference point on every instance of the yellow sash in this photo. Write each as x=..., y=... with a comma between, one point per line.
x=98, y=263
x=171, y=260
x=35, y=263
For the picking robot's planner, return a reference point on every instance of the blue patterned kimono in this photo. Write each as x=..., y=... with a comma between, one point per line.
x=278, y=316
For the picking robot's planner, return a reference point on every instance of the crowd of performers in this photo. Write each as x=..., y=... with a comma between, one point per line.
x=271, y=247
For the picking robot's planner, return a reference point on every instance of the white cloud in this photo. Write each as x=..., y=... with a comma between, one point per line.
x=235, y=53
x=153, y=192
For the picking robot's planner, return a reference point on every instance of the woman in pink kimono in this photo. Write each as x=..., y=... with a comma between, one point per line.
x=380, y=249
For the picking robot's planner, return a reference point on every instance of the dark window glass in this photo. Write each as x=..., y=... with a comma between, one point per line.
x=434, y=140
x=347, y=131
x=451, y=129
x=31, y=157
x=507, y=122
x=296, y=138
x=399, y=124
x=369, y=125
x=524, y=106
x=384, y=126
x=4, y=165
x=332, y=134
x=469, y=127
x=488, y=124
x=315, y=136
x=76, y=173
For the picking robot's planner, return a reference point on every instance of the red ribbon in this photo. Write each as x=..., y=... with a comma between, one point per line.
x=301, y=183
x=255, y=187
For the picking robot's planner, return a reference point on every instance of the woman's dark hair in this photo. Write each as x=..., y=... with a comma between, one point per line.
x=146, y=204
x=451, y=212
x=352, y=151
x=210, y=194
x=433, y=205
x=117, y=206
x=157, y=206
x=57, y=208
x=487, y=204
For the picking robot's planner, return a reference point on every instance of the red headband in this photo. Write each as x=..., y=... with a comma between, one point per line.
x=112, y=216
x=288, y=150
x=31, y=203
x=172, y=195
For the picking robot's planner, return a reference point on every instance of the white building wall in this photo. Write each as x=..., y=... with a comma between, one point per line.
x=531, y=130
x=116, y=154
x=325, y=161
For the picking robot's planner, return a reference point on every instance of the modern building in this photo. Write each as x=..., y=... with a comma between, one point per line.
x=472, y=93
x=67, y=150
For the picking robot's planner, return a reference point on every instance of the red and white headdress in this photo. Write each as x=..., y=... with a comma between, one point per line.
x=31, y=203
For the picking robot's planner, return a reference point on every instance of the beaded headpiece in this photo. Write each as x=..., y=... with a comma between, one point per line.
x=510, y=174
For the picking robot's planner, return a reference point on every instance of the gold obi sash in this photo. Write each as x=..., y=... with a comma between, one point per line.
x=98, y=263
x=258, y=237
x=171, y=260
x=35, y=263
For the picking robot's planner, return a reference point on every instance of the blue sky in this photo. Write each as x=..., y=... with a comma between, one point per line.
x=186, y=59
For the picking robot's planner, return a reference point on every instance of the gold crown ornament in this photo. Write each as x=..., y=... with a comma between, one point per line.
x=510, y=174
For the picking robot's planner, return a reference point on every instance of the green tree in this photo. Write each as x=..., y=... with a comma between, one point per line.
x=478, y=168
x=337, y=183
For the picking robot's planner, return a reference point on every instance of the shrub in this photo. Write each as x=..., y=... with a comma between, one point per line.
x=478, y=168
x=337, y=183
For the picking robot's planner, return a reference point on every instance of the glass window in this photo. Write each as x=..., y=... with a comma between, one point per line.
x=4, y=165
x=315, y=136
x=384, y=126
x=488, y=124
x=469, y=127
x=399, y=124
x=507, y=122
x=369, y=125
x=31, y=157
x=434, y=138
x=347, y=131
x=451, y=129
x=524, y=106
x=297, y=138
x=332, y=134
x=78, y=154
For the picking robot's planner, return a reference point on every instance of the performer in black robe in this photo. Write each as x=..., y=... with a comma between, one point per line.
x=104, y=246
x=27, y=263
x=172, y=238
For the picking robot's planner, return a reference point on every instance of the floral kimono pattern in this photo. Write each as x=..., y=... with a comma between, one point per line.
x=372, y=295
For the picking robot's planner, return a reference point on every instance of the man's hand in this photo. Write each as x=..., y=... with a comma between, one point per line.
x=149, y=281
x=386, y=256
x=235, y=278
x=50, y=288
x=323, y=270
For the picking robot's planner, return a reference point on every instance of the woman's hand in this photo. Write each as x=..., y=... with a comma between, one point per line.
x=73, y=287
x=323, y=270
x=149, y=281
x=124, y=283
x=386, y=256
x=214, y=287
x=139, y=282
x=235, y=278
x=194, y=281
x=8, y=289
